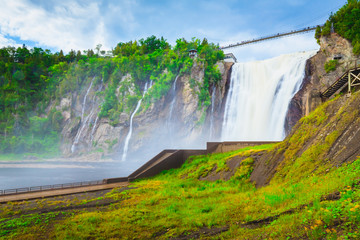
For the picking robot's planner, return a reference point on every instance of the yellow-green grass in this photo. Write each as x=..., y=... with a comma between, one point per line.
x=172, y=205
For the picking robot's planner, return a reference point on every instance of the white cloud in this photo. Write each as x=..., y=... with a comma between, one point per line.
x=68, y=25
x=4, y=42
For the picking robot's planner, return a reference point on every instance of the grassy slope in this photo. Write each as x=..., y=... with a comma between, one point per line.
x=308, y=197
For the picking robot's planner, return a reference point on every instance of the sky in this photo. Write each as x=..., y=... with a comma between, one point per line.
x=83, y=24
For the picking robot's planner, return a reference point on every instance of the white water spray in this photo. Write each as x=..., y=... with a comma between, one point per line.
x=259, y=96
x=128, y=137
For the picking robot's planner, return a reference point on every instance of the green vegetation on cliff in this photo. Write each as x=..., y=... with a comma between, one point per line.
x=346, y=22
x=33, y=80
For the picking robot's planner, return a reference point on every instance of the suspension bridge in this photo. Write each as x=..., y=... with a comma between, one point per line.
x=274, y=36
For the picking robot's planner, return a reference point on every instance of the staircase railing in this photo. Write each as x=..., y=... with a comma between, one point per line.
x=337, y=85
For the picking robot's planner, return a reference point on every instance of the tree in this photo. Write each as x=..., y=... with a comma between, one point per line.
x=98, y=47
x=78, y=55
x=71, y=56
x=21, y=54
x=61, y=57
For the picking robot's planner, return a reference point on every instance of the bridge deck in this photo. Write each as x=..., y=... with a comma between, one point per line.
x=278, y=35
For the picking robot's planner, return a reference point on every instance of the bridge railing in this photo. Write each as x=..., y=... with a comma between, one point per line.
x=50, y=187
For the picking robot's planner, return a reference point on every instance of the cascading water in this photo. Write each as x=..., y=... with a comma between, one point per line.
x=173, y=95
x=84, y=101
x=259, y=96
x=83, y=123
x=94, y=128
x=97, y=116
x=169, y=121
x=128, y=137
x=212, y=113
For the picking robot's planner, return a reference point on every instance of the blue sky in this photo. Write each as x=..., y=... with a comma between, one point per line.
x=82, y=24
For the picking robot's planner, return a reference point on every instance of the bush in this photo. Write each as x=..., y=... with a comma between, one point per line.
x=330, y=65
x=356, y=49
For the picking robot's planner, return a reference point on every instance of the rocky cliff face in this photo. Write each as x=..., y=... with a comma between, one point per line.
x=317, y=79
x=176, y=120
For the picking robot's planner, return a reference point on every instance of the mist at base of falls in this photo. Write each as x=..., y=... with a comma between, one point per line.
x=259, y=96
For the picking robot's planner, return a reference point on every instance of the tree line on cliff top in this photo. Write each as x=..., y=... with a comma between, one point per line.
x=346, y=22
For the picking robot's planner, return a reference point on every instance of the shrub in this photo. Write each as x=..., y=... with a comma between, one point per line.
x=330, y=65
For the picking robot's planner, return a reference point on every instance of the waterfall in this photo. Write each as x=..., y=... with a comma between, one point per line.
x=259, y=96
x=97, y=116
x=173, y=95
x=84, y=101
x=169, y=121
x=83, y=123
x=93, y=128
x=212, y=113
x=128, y=137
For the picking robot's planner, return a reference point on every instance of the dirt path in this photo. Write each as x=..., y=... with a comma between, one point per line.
x=59, y=192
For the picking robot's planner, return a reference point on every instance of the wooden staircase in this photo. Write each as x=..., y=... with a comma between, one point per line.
x=352, y=77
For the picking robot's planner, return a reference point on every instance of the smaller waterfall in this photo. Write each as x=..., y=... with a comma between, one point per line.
x=94, y=127
x=128, y=137
x=173, y=95
x=83, y=123
x=84, y=101
x=169, y=121
x=212, y=113
x=97, y=116
x=78, y=134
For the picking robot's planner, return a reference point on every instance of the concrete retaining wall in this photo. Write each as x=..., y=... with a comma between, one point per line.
x=151, y=161
x=178, y=157
x=115, y=180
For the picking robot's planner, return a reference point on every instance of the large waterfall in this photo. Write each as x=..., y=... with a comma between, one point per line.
x=259, y=96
